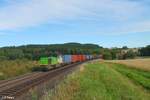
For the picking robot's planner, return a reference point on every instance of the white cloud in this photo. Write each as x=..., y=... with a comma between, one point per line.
x=35, y=12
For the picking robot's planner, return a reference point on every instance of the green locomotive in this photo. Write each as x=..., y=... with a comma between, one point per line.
x=49, y=61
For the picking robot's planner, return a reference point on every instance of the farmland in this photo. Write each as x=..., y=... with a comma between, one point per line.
x=143, y=64
x=13, y=68
x=103, y=81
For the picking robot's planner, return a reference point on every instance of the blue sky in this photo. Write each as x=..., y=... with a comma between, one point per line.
x=109, y=23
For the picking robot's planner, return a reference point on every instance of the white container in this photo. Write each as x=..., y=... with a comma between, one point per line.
x=60, y=59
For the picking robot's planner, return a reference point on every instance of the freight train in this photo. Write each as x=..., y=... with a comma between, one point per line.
x=65, y=59
x=51, y=62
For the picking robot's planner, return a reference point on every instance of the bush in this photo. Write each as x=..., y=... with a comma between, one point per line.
x=130, y=54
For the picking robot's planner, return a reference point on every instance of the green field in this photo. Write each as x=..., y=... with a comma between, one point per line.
x=13, y=68
x=103, y=81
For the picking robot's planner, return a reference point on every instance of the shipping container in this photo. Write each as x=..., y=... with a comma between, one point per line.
x=66, y=58
x=44, y=61
x=83, y=57
x=91, y=57
x=60, y=59
x=87, y=57
x=80, y=58
x=74, y=58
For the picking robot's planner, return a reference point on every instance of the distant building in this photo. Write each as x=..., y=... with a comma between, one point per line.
x=135, y=50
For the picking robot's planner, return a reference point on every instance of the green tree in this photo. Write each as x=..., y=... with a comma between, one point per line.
x=107, y=55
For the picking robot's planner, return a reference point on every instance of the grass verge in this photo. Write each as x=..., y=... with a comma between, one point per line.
x=140, y=77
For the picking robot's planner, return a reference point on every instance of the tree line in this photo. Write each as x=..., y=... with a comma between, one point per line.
x=34, y=52
x=145, y=51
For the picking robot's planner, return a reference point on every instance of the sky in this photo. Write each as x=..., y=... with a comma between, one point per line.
x=108, y=23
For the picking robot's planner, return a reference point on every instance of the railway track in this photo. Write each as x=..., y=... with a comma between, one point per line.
x=11, y=89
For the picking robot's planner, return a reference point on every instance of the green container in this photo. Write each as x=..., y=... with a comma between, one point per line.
x=44, y=61
x=54, y=60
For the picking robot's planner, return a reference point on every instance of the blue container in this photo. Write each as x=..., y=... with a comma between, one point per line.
x=66, y=58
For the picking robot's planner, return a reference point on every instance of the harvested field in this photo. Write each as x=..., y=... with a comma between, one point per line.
x=143, y=64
